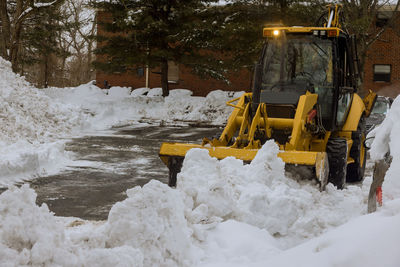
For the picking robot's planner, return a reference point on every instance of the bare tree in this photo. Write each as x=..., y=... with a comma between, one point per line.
x=80, y=33
x=360, y=18
x=12, y=16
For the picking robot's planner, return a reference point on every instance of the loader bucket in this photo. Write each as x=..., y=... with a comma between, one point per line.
x=172, y=154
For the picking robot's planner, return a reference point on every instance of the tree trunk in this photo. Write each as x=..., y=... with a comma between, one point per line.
x=14, y=53
x=5, y=29
x=89, y=62
x=16, y=35
x=164, y=77
x=283, y=8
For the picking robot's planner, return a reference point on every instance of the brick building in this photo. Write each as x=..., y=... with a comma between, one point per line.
x=382, y=65
x=179, y=76
x=381, y=69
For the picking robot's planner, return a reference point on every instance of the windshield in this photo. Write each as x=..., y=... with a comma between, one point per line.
x=380, y=107
x=297, y=59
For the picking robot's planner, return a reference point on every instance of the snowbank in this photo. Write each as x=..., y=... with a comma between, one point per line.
x=215, y=217
x=119, y=107
x=27, y=114
x=367, y=241
x=31, y=235
x=23, y=160
x=261, y=195
x=117, y=91
x=386, y=140
x=31, y=123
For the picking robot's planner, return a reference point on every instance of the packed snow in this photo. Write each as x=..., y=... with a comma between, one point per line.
x=222, y=213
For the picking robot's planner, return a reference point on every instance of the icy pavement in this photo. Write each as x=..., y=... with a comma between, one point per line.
x=108, y=164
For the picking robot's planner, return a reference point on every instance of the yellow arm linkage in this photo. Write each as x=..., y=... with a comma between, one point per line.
x=301, y=138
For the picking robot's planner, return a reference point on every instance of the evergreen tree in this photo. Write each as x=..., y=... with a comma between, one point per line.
x=14, y=15
x=242, y=23
x=40, y=43
x=158, y=31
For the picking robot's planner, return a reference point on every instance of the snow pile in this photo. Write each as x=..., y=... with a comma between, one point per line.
x=140, y=91
x=29, y=234
x=233, y=243
x=152, y=220
x=27, y=114
x=31, y=123
x=370, y=240
x=386, y=140
x=83, y=95
x=117, y=91
x=222, y=213
x=155, y=92
x=118, y=107
x=23, y=160
x=147, y=229
x=261, y=195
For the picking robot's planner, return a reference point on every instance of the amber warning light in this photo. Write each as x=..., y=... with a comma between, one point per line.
x=332, y=33
x=272, y=33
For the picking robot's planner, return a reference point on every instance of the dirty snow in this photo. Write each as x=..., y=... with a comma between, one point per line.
x=222, y=213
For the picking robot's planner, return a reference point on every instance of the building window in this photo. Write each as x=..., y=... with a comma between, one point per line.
x=383, y=16
x=173, y=72
x=382, y=73
x=140, y=72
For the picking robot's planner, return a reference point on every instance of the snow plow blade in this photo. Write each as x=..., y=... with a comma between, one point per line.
x=172, y=154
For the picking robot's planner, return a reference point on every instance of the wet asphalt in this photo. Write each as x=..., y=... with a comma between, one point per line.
x=106, y=166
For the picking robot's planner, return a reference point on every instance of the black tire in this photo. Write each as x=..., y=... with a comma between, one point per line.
x=336, y=149
x=174, y=166
x=355, y=171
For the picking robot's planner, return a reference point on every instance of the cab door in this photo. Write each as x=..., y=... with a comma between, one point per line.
x=345, y=82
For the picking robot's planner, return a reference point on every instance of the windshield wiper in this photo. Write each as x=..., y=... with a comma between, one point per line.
x=323, y=51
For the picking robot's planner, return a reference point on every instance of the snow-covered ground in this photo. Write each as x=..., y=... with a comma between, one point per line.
x=36, y=122
x=222, y=213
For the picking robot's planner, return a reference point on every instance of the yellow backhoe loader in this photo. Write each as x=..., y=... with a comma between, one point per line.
x=304, y=97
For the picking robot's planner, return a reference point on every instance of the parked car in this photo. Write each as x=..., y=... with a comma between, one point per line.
x=378, y=113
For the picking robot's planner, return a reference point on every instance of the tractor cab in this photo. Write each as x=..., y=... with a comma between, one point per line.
x=296, y=60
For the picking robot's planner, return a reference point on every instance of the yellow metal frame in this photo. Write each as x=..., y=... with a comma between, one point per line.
x=229, y=103
x=369, y=102
x=303, y=148
x=296, y=151
x=299, y=30
x=356, y=110
x=335, y=21
x=301, y=137
x=335, y=25
x=290, y=157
